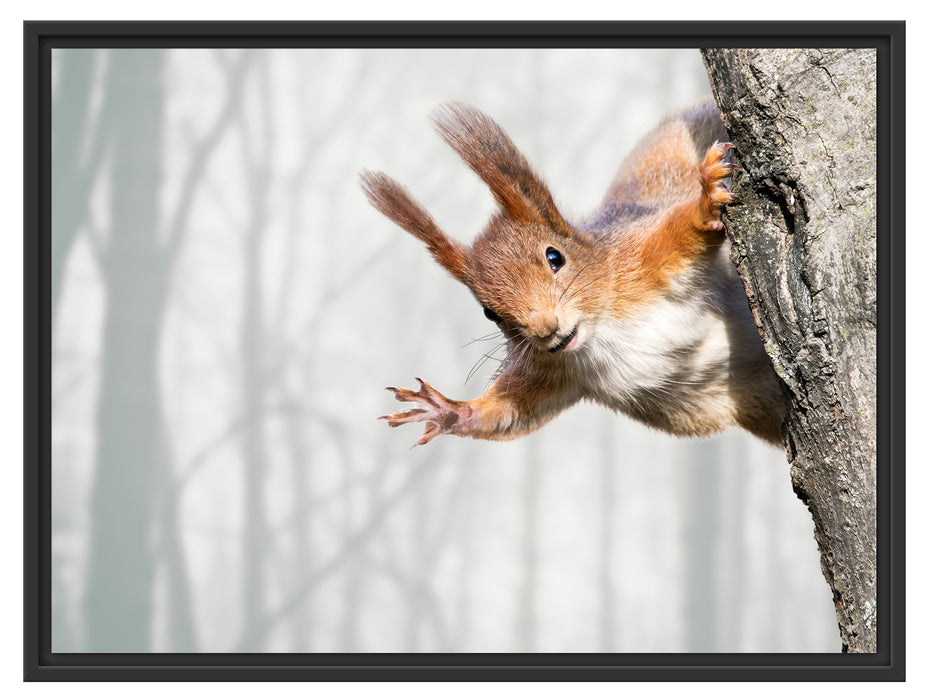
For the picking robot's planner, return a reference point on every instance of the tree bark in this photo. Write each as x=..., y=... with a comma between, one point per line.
x=804, y=242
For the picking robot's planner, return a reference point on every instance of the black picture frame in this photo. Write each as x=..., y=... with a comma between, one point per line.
x=40, y=664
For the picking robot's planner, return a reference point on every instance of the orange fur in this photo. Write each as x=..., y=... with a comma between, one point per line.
x=392, y=200
x=570, y=299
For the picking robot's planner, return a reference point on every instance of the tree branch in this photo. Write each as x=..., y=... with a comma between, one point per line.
x=203, y=151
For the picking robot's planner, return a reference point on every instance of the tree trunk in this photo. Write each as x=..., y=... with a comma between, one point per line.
x=130, y=457
x=71, y=182
x=528, y=592
x=699, y=525
x=258, y=151
x=804, y=242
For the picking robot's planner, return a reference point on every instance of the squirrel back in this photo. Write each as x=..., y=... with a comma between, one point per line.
x=636, y=306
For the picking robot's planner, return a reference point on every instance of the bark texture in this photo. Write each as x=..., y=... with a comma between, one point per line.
x=804, y=242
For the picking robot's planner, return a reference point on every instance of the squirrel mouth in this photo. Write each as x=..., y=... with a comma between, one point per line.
x=565, y=341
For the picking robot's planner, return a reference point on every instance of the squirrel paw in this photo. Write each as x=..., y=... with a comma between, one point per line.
x=441, y=415
x=715, y=194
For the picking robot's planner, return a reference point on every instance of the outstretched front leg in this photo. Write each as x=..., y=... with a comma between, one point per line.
x=510, y=408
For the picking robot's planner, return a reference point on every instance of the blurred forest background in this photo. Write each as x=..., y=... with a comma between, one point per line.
x=227, y=311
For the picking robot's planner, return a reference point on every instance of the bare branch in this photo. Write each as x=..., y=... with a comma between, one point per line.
x=347, y=551
x=192, y=180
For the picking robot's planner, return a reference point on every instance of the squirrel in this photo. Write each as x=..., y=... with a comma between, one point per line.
x=637, y=307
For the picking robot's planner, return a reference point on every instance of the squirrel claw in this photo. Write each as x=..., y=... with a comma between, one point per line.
x=715, y=194
x=440, y=415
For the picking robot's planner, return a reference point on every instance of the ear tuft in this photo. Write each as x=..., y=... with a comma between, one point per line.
x=395, y=202
x=491, y=154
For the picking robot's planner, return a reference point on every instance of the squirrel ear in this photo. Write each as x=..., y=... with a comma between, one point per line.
x=484, y=146
x=395, y=202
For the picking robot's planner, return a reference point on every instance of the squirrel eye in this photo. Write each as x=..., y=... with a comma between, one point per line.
x=491, y=315
x=555, y=259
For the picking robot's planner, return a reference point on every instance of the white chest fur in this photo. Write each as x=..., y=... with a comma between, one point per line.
x=678, y=348
x=672, y=348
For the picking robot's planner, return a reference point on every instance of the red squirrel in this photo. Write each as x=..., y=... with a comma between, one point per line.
x=637, y=306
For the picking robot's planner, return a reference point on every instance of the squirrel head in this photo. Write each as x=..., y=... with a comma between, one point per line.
x=533, y=273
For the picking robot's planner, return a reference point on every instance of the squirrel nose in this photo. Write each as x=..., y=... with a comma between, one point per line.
x=543, y=325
